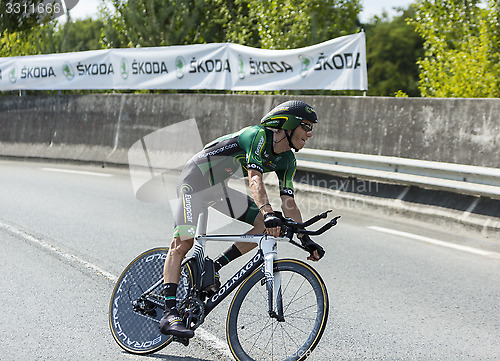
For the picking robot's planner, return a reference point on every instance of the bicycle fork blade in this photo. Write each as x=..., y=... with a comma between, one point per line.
x=273, y=288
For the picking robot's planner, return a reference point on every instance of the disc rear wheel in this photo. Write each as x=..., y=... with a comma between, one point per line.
x=133, y=319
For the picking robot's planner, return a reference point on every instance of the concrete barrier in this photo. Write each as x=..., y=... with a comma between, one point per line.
x=102, y=127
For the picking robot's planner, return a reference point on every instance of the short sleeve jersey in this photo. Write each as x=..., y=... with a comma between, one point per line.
x=250, y=148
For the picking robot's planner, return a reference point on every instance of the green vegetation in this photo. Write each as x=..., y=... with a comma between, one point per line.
x=392, y=50
x=461, y=48
x=445, y=48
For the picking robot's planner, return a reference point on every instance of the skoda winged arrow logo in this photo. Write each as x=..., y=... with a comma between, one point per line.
x=68, y=71
x=241, y=67
x=179, y=64
x=12, y=75
x=306, y=64
x=124, y=68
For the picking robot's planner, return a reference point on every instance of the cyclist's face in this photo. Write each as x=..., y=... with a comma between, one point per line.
x=302, y=134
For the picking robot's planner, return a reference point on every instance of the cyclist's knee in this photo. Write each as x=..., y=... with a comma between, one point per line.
x=181, y=246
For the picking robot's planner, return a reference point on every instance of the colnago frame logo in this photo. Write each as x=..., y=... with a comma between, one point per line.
x=236, y=277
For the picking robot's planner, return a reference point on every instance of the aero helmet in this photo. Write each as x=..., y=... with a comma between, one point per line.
x=288, y=115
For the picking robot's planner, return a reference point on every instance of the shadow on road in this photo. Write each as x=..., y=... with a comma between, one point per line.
x=177, y=358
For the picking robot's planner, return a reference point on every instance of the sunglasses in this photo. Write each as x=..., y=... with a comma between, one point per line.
x=307, y=127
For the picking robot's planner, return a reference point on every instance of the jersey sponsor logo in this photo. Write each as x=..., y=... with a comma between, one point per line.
x=188, y=214
x=217, y=151
x=270, y=164
x=256, y=167
x=186, y=188
x=259, y=146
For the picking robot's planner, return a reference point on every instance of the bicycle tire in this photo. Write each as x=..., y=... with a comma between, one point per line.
x=254, y=336
x=134, y=331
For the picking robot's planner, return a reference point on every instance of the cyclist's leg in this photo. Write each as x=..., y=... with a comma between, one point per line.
x=192, y=191
x=243, y=208
x=189, y=205
x=179, y=247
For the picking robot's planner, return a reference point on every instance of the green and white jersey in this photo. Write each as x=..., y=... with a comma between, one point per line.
x=249, y=148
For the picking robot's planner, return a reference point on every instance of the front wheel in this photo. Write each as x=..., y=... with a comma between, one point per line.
x=254, y=336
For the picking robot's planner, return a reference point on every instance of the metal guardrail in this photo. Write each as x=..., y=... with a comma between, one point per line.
x=458, y=178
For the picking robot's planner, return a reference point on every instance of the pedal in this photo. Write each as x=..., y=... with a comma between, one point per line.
x=184, y=341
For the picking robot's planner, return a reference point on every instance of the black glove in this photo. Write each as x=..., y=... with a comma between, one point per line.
x=312, y=246
x=271, y=221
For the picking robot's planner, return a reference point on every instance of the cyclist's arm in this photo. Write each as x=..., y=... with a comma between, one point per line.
x=260, y=197
x=291, y=210
x=285, y=177
x=258, y=190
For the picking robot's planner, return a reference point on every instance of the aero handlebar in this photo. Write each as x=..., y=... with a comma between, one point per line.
x=290, y=227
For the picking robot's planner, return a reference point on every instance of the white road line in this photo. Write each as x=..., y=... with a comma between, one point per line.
x=214, y=342
x=210, y=339
x=433, y=241
x=60, y=170
x=67, y=256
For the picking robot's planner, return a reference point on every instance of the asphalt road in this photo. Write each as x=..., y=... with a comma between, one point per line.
x=399, y=289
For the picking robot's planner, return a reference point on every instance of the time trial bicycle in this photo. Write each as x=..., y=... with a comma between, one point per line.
x=279, y=311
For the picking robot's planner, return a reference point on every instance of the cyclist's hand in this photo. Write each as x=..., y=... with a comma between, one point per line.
x=272, y=224
x=316, y=252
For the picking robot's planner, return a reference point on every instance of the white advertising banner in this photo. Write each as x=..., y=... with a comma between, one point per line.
x=338, y=64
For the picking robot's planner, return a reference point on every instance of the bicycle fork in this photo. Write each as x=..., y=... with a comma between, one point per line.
x=272, y=280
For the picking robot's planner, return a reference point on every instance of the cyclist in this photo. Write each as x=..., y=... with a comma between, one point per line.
x=254, y=150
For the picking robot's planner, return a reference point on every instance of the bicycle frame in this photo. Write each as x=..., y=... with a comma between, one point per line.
x=266, y=255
